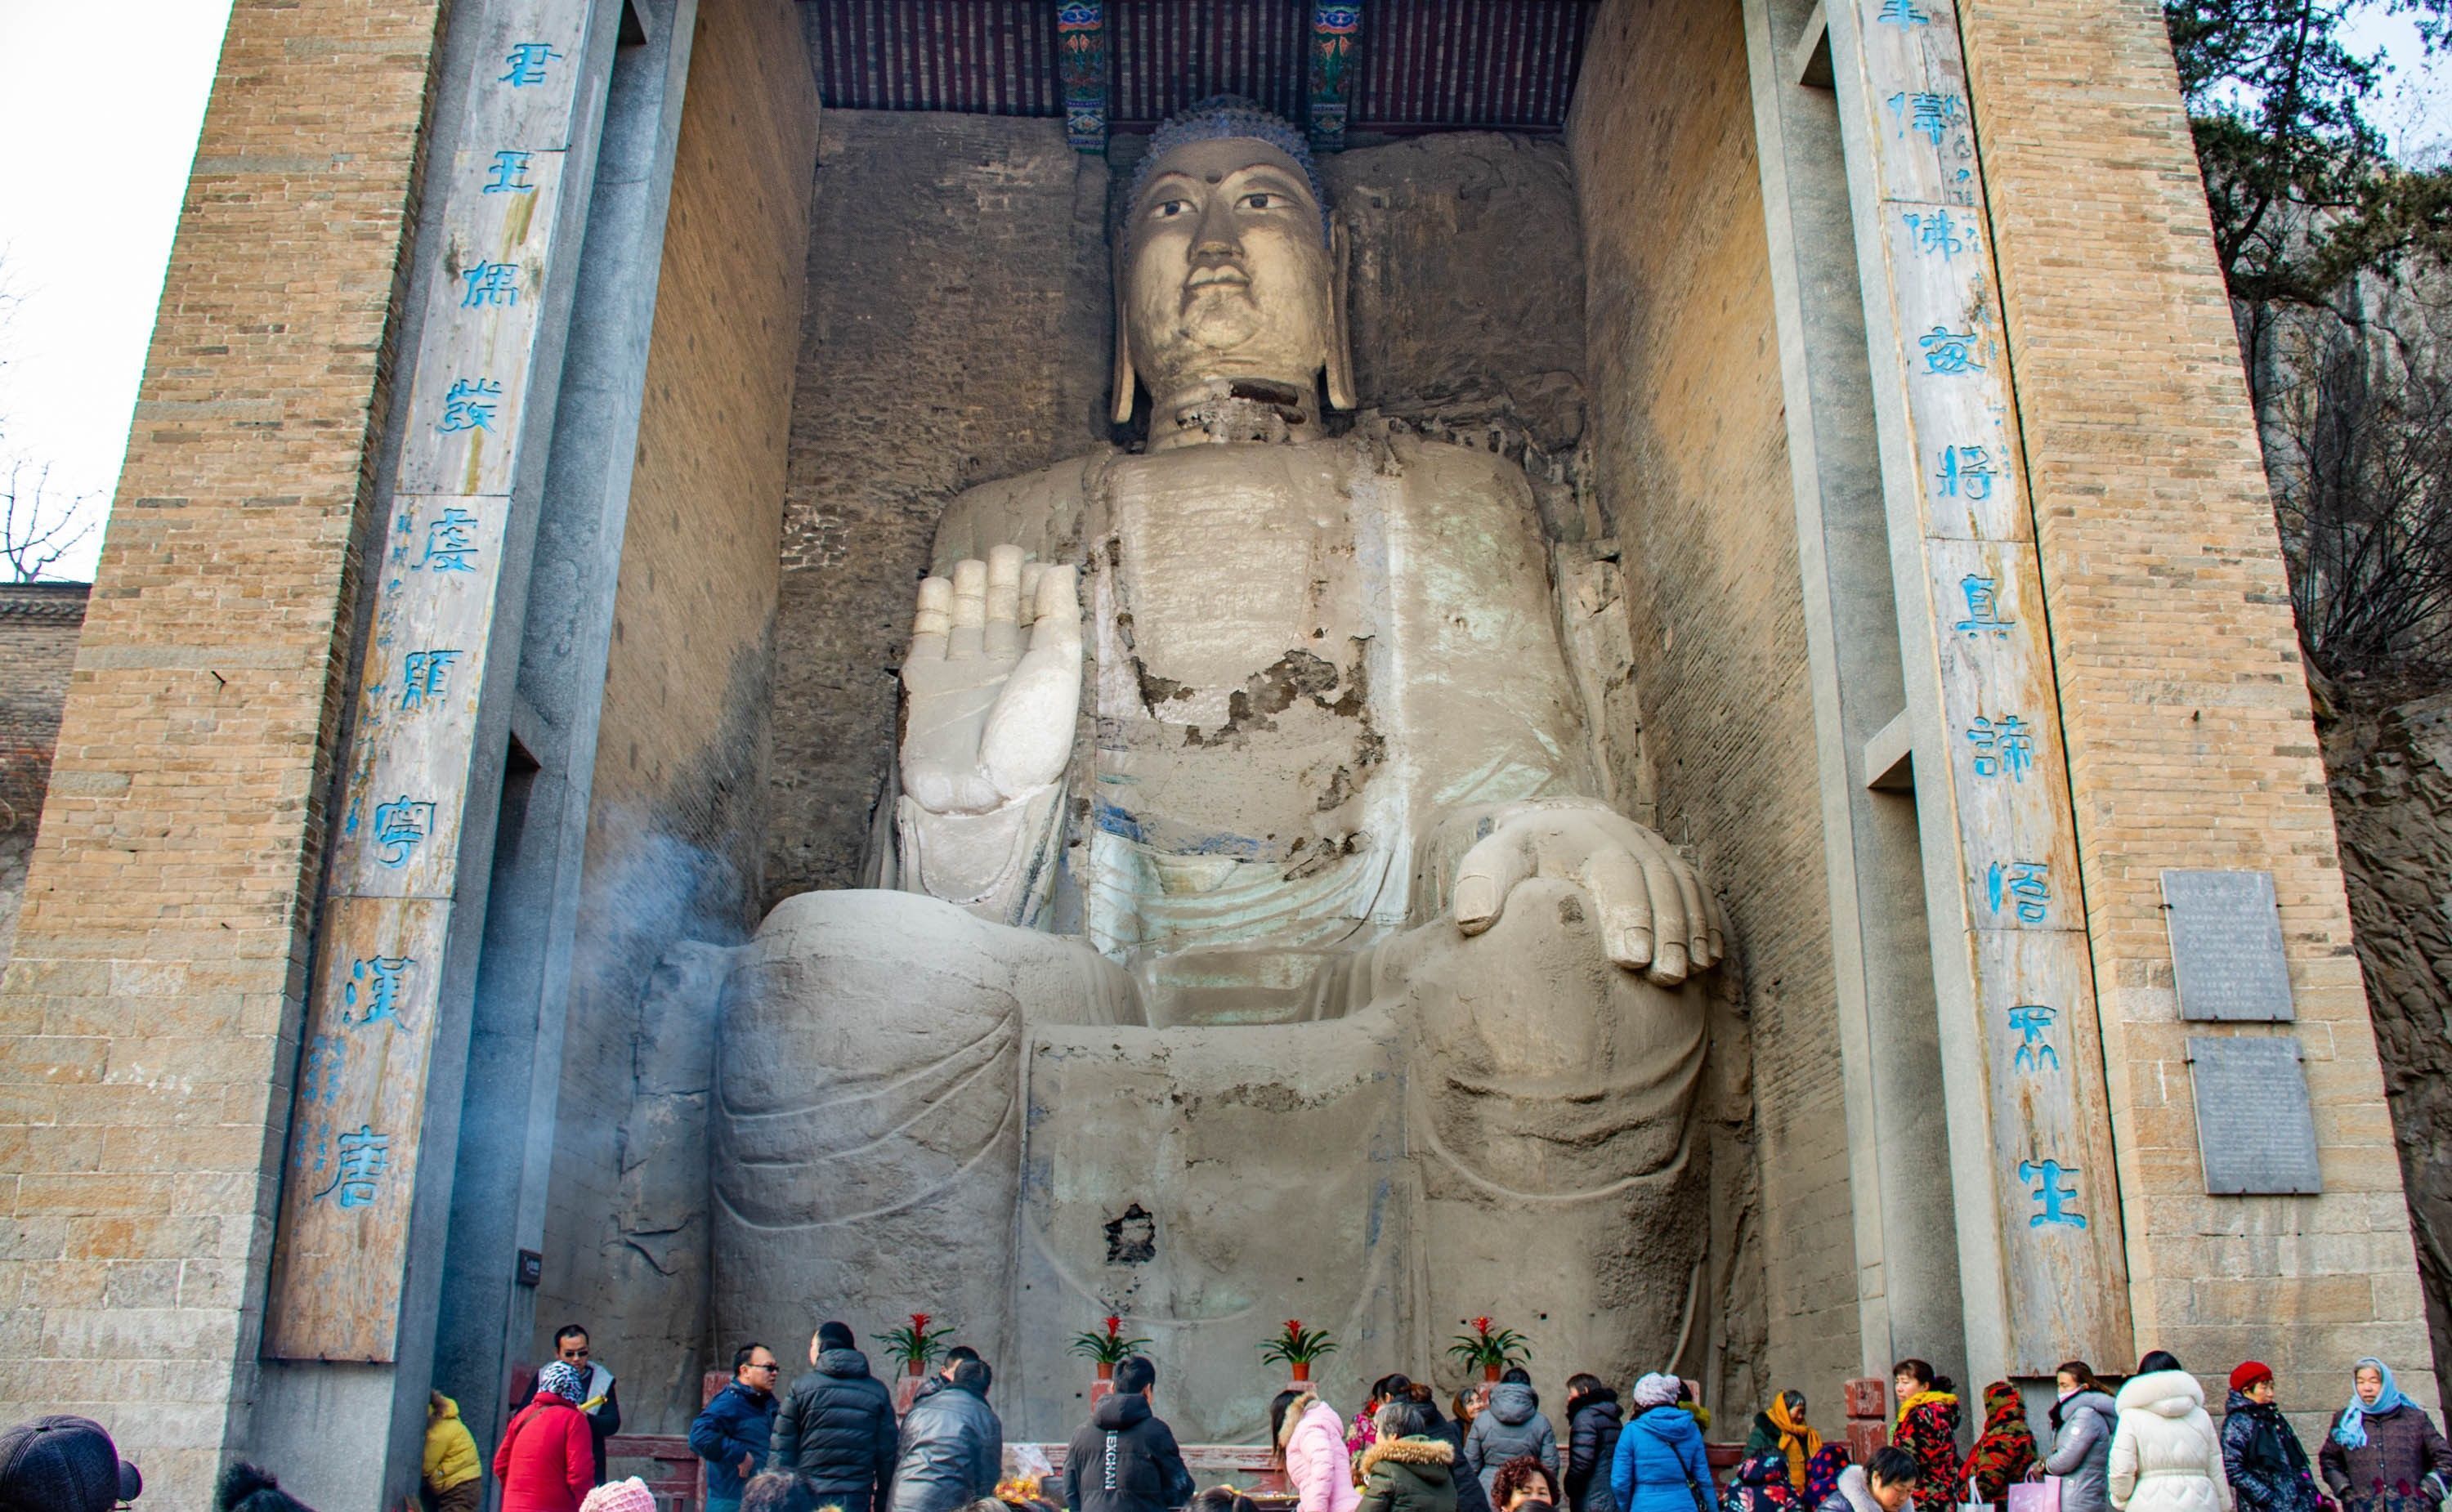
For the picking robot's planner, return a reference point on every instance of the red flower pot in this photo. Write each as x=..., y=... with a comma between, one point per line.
x=1106, y=1370
x=1302, y=1370
x=1492, y=1372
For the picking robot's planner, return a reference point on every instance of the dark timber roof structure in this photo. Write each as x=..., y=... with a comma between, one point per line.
x=1416, y=65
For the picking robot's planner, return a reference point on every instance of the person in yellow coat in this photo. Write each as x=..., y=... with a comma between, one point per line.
x=455, y=1478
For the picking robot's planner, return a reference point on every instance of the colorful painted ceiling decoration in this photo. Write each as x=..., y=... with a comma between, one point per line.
x=1366, y=65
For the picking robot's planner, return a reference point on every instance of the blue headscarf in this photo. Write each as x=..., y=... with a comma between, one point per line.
x=2351, y=1432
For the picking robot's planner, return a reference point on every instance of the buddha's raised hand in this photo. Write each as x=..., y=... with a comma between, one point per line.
x=993, y=684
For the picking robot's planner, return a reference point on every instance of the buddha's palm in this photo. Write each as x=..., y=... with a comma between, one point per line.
x=991, y=693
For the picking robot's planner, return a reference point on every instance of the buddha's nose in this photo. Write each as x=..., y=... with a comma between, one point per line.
x=1215, y=240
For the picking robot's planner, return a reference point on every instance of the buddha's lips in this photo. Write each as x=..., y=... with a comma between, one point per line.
x=1217, y=278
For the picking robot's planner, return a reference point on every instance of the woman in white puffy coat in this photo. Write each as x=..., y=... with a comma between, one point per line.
x=2166, y=1454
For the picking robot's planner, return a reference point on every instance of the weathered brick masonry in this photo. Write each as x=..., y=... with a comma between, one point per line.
x=38, y=638
x=2185, y=706
x=1694, y=474
x=147, y=1016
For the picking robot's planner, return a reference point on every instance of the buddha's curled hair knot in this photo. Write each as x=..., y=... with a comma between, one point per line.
x=1222, y=117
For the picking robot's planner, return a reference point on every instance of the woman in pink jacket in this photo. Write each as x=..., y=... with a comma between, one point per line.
x=1311, y=1446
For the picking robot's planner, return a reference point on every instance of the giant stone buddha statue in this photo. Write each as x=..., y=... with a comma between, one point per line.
x=1251, y=943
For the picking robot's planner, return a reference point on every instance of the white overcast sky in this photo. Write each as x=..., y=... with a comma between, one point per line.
x=100, y=103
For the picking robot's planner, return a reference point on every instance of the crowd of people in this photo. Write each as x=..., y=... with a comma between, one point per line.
x=833, y=1441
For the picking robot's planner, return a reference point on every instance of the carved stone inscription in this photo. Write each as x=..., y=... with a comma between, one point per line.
x=2253, y=1122
x=2226, y=946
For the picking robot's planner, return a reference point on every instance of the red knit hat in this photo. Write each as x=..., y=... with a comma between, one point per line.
x=2248, y=1373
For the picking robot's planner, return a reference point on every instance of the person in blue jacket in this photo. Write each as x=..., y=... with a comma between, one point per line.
x=1659, y=1466
x=731, y=1432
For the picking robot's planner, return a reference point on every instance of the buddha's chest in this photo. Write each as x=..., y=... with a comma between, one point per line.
x=1230, y=582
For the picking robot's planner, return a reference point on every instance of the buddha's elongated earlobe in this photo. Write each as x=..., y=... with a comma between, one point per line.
x=1340, y=334
x=1121, y=408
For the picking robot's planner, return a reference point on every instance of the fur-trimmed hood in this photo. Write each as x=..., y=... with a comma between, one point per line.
x=1409, y=1451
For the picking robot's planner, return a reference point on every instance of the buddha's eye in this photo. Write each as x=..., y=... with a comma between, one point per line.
x=1259, y=200
x=1169, y=209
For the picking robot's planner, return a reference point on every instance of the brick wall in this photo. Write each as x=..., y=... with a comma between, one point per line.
x=1694, y=484
x=957, y=332
x=678, y=809
x=2183, y=697
x=148, y=1014
x=38, y=638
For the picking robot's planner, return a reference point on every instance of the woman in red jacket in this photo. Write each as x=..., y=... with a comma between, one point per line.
x=548, y=1461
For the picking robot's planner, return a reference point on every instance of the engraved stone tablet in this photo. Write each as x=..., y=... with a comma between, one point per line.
x=2226, y=946
x=2253, y=1123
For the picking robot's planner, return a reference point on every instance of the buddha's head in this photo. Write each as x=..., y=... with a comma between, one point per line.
x=1227, y=283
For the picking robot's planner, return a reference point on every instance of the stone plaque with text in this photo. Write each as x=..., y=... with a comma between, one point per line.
x=2226, y=946
x=2254, y=1126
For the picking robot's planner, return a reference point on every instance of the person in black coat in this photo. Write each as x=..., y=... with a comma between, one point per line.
x=1126, y=1459
x=1451, y=1432
x=2263, y=1458
x=836, y=1427
x=1594, y=1422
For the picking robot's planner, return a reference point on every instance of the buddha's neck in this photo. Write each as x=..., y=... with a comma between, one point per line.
x=1235, y=409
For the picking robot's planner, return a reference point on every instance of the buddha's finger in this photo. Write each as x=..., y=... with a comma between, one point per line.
x=1719, y=930
x=970, y=611
x=1057, y=617
x=1031, y=574
x=1487, y=873
x=1003, y=601
x=931, y=620
x=1698, y=918
x=1669, y=953
x=1623, y=899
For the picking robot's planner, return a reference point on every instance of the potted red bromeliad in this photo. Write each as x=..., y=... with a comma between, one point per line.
x=1108, y=1347
x=915, y=1343
x=1493, y=1349
x=1295, y=1347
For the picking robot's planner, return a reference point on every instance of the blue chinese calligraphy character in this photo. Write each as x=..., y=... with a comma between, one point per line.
x=469, y=405
x=2033, y=1021
x=510, y=175
x=2006, y=747
x=490, y=283
x=400, y=827
x=2026, y=885
x=1948, y=352
x=1928, y=114
x=2050, y=1191
x=1939, y=233
x=326, y=1056
x=1983, y=607
x=1903, y=14
x=1970, y=468
x=314, y=1146
x=526, y=61
x=451, y=541
x=358, y=1169
x=421, y=680
x=381, y=976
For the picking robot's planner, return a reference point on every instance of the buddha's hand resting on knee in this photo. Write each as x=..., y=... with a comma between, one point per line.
x=1655, y=916
x=993, y=684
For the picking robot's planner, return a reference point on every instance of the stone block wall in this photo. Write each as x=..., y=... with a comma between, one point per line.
x=678, y=808
x=2183, y=696
x=149, y=1014
x=1695, y=487
x=38, y=637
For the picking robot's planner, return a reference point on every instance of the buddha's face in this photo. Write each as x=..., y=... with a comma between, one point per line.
x=1225, y=275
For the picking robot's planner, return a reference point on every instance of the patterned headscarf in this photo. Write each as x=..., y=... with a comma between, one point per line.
x=621, y=1496
x=1656, y=1390
x=562, y=1380
x=2351, y=1432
